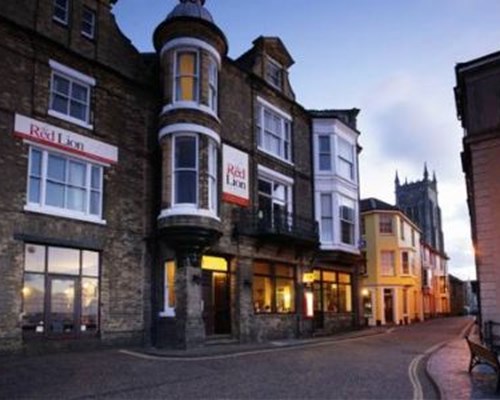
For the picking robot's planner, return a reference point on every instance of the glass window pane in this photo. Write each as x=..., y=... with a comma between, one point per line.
x=62, y=305
x=34, y=258
x=59, y=104
x=345, y=298
x=55, y=195
x=185, y=152
x=344, y=278
x=324, y=162
x=90, y=263
x=61, y=85
x=78, y=110
x=76, y=199
x=77, y=174
x=95, y=203
x=33, y=303
x=79, y=92
x=95, y=181
x=185, y=187
x=36, y=162
x=90, y=305
x=34, y=190
x=326, y=205
x=324, y=144
x=262, y=294
x=57, y=168
x=285, y=295
x=330, y=297
x=64, y=261
x=329, y=276
x=264, y=186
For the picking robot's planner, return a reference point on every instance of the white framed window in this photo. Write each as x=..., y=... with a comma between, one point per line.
x=63, y=185
x=88, y=22
x=274, y=199
x=324, y=153
x=273, y=131
x=61, y=11
x=213, y=73
x=385, y=223
x=326, y=224
x=274, y=73
x=70, y=94
x=345, y=159
x=346, y=216
x=186, y=87
x=387, y=263
x=185, y=159
x=213, y=197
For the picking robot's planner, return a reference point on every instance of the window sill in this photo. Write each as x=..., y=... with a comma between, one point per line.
x=187, y=210
x=72, y=120
x=63, y=213
x=192, y=105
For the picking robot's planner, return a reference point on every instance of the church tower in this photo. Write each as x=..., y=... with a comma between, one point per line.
x=419, y=200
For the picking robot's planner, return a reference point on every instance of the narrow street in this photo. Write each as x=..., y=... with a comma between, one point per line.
x=381, y=366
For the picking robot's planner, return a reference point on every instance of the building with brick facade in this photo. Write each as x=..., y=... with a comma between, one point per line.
x=477, y=103
x=163, y=198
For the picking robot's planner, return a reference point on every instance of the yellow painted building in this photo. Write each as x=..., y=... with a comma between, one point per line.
x=391, y=286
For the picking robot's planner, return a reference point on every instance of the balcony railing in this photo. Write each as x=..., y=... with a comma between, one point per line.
x=277, y=225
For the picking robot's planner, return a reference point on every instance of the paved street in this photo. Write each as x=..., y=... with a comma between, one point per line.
x=379, y=366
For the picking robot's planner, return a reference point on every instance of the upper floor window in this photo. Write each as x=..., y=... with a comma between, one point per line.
x=388, y=263
x=346, y=213
x=412, y=237
x=385, y=223
x=274, y=74
x=70, y=95
x=88, y=23
x=212, y=84
x=213, y=197
x=326, y=226
x=324, y=153
x=274, y=202
x=60, y=13
x=186, y=76
x=405, y=263
x=273, y=132
x=64, y=185
x=345, y=159
x=185, y=169
x=401, y=228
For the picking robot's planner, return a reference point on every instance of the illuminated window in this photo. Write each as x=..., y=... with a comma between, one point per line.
x=186, y=76
x=332, y=291
x=273, y=288
x=169, y=289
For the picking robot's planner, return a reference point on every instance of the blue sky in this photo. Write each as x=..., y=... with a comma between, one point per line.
x=393, y=59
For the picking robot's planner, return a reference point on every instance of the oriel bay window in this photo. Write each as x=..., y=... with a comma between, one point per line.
x=62, y=185
x=185, y=169
x=273, y=288
x=346, y=214
x=345, y=159
x=332, y=291
x=60, y=292
x=186, y=75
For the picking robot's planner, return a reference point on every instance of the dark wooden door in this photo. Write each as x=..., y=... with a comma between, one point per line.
x=319, y=317
x=222, y=309
x=388, y=306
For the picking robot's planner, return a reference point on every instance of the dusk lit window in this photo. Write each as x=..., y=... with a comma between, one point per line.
x=273, y=288
x=332, y=291
x=186, y=76
x=385, y=223
x=388, y=263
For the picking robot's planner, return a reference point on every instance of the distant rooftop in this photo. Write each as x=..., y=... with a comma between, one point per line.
x=373, y=204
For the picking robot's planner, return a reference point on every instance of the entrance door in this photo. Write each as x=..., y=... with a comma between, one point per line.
x=216, y=311
x=62, y=317
x=388, y=306
x=319, y=317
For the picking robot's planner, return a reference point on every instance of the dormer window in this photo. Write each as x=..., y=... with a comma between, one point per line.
x=186, y=76
x=274, y=74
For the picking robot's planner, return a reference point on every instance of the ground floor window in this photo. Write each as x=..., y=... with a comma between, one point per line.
x=60, y=291
x=332, y=291
x=273, y=288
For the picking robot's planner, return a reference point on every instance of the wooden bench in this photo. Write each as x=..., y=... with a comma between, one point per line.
x=482, y=355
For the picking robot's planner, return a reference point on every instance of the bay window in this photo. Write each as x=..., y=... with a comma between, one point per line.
x=64, y=185
x=346, y=214
x=345, y=159
x=213, y=197
x=388, y=263
x=185, y=169
x=326, y=225
x=212, y=84
x=324, y=153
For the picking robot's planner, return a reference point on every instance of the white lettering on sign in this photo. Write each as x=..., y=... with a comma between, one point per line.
x=53, y=136
x=235, y=182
